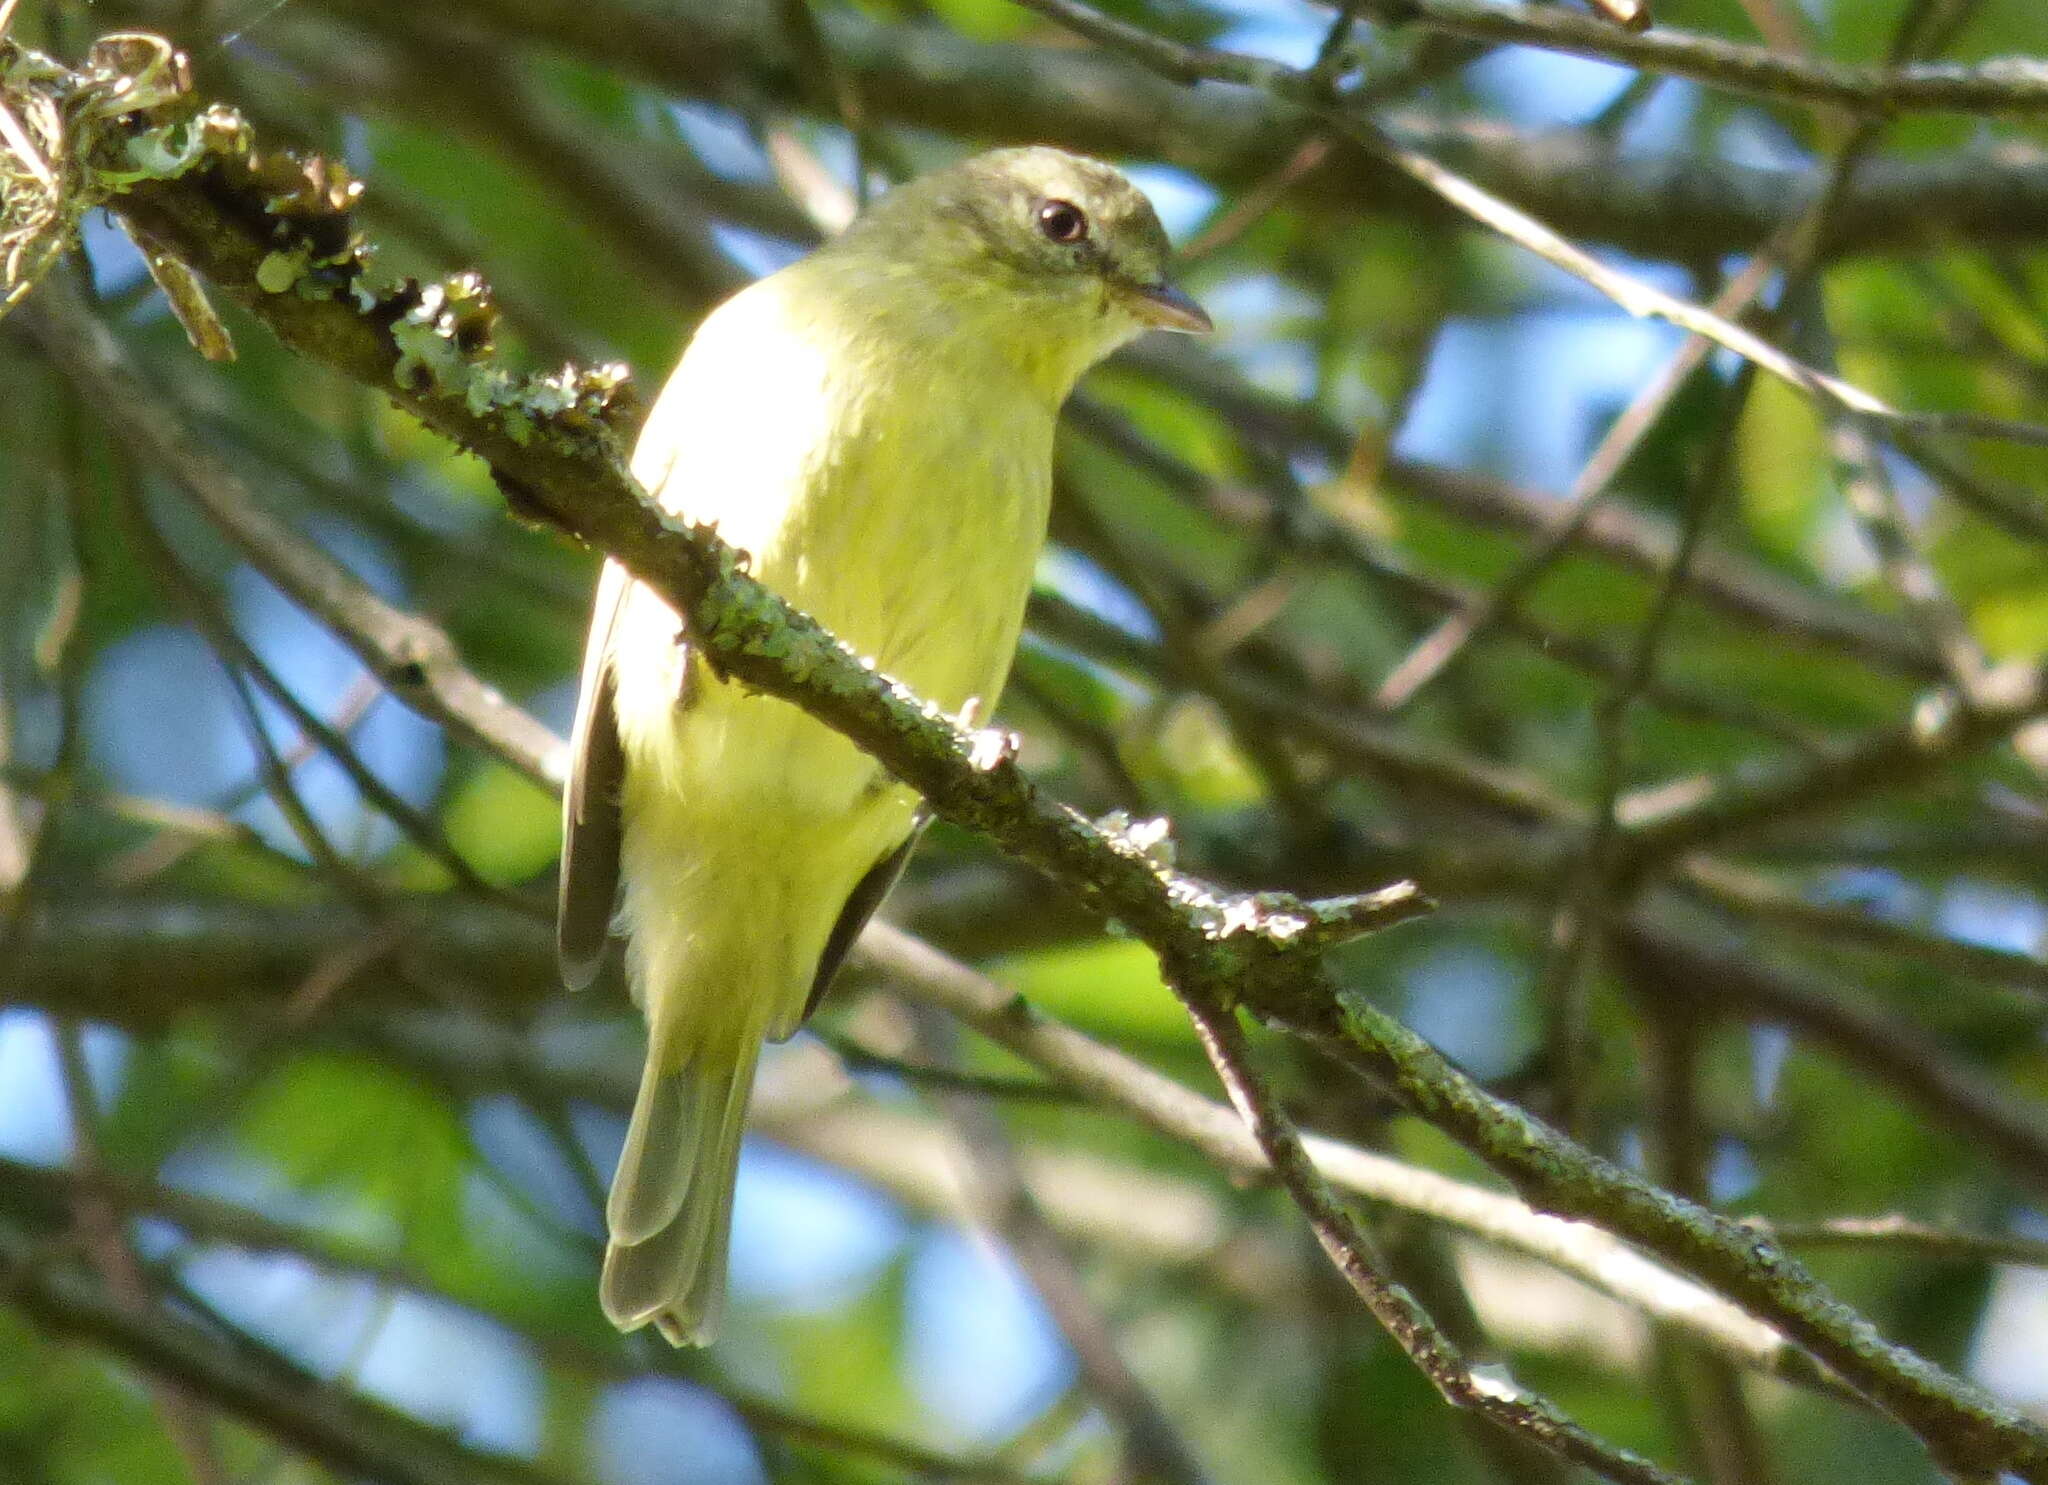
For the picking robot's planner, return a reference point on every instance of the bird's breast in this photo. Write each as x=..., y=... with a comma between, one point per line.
x=896, y=494
x=921, y=551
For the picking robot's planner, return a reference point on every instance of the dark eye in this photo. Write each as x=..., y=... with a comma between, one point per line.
x=1062, y=221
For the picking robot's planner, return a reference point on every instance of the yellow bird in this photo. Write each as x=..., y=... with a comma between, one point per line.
x=874, y=426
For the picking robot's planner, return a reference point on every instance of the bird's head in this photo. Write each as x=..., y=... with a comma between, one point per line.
x=1053, y=258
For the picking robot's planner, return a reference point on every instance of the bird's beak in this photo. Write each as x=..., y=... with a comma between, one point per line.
x=1166, y=306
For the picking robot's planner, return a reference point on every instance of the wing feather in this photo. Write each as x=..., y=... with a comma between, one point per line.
x=861, y=905
x=591, y=823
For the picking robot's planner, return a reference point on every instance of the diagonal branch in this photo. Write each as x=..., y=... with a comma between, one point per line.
x=410, y=656
x=266, y=1391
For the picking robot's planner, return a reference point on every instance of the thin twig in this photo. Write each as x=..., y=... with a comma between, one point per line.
x=1302, y=528
x=204, y=1218
x=1708, y=1396
x=1728, y=582
x=1763, y=899
x=1986, y=1117
x=1158, y=1450
x=2016, y=85
x=412, y=658
x=1587, y=903
x=1435, y=651
x=1908, y=1236
x=1187, y=64
x=1119, y=1082
x=103, y=1227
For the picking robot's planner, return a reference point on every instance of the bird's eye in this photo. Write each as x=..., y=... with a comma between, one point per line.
x=1062, y=221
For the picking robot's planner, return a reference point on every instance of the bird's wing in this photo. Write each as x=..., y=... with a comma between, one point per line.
x=860, y=906
x=590, y=801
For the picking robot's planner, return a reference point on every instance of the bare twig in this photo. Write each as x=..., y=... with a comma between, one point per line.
x=414, y=660
x=1907, y=1236
x=1157, y=1448
x=1436, y=650
x=1589, y=900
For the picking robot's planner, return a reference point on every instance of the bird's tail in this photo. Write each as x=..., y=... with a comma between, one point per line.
x=670, y=1211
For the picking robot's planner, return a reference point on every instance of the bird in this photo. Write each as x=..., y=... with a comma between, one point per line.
x=873, y=427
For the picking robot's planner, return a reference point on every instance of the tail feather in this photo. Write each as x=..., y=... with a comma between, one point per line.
x=713, y=976
x=658, y=1164
x=671, y=1202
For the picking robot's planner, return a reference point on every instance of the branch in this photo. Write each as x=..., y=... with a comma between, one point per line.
x=1959, y=1421
x=1120, y=1082
x=101, y=1224
x=1664, y=821
x=1003, y=1204
x=411, y=657
x=2013, y=85
x=1188, y=64
x=1988, y=1117
x=655, y=215
x=210, y=1220
x=1638, y=540
x=230, y=956
x=1766, y=900
x=1897, y=1234
x=1503, y=1402
x=1661, y=205
x=267, y=1392
x=273, y=233
x=1293, y=520
x=1435, y=651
